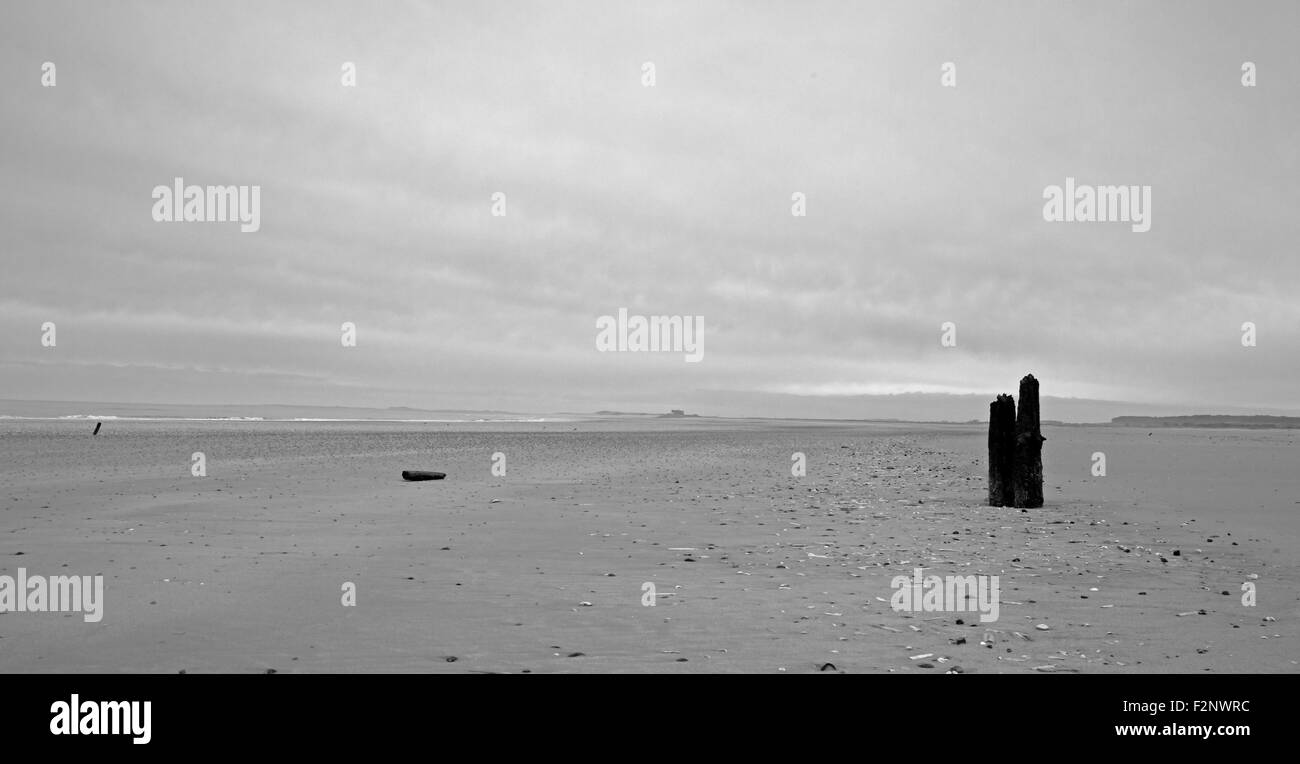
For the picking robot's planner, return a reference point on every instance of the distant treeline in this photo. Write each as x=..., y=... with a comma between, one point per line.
x=1210, y=420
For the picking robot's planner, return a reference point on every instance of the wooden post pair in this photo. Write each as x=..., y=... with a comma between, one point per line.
x=1016, y=449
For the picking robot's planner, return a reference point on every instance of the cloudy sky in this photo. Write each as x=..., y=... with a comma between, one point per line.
x=924, y=203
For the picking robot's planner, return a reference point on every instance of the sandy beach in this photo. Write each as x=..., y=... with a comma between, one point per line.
x=543, y=569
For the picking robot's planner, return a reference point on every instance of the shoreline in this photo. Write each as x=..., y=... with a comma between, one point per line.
x=241, y=571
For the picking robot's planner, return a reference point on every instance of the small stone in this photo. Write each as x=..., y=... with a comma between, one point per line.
x=1042, y=627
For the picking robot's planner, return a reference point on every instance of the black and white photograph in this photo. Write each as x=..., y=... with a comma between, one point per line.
x=676, y=338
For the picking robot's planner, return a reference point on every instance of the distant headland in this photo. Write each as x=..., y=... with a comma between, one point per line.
x=1258, y=422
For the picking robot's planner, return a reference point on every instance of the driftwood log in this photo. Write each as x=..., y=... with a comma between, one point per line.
x=421, y=475
x=1002, y=451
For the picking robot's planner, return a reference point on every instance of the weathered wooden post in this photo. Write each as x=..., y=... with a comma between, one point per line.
x=1029, y=447
x=1002, y=451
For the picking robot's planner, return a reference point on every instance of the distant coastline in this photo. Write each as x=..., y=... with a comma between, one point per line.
x=12, y=410
x=1259, y=422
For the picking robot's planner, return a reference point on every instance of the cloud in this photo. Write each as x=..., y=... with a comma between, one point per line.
x=923, y=202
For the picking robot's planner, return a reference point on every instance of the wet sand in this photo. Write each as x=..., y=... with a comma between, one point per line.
x=542, y=570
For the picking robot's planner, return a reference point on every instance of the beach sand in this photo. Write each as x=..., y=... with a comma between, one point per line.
x=542, y=570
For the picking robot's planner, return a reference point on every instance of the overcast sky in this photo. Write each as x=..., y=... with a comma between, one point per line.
x=924, y=203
